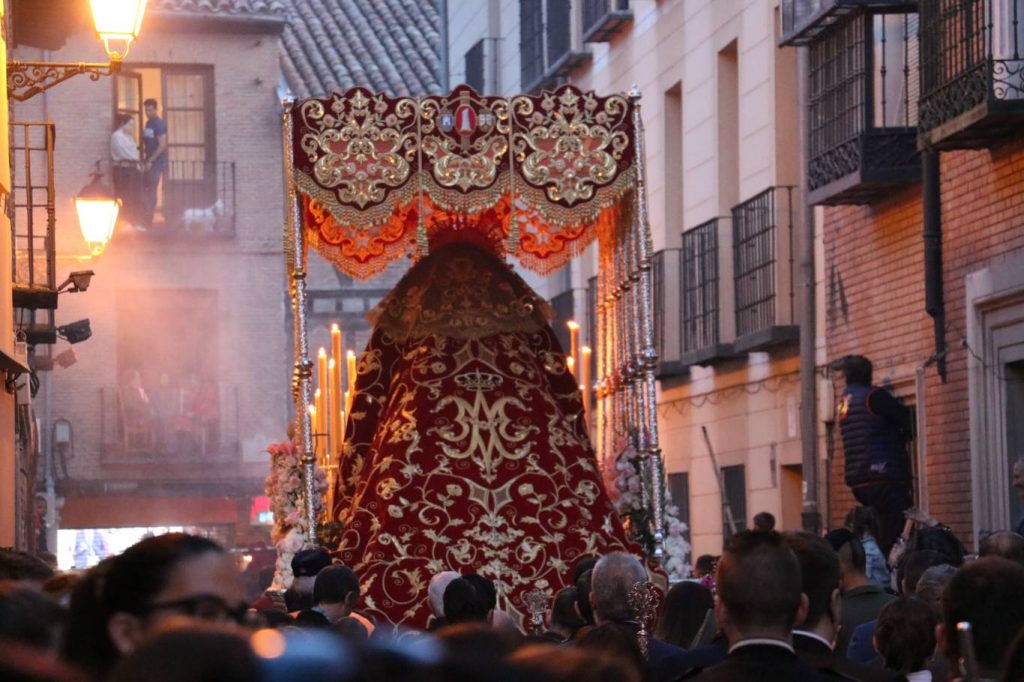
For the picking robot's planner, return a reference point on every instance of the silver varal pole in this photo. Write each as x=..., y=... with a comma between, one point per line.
x=302, y=375
x=649, y=353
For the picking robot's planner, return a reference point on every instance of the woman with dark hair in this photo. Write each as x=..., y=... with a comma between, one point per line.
x=863, y=521
x=684, y=618
x=160, y=580
x=565, y=619
x=905, y=637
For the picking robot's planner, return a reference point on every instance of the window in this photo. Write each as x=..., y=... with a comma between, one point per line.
x=545, y=37
x=735, y=483
x=475, y=67
x=679, y=489
x=700, y=286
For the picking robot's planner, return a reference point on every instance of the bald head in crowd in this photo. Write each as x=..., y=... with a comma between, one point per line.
x=759, y=588
x=613, y=577
x=1004, y=543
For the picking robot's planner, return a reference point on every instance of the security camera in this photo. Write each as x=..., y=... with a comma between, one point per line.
x=75, y=332
x=76, y=281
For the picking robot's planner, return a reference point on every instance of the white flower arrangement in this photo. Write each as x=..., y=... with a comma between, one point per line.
x=629, y=504
x=284, y=487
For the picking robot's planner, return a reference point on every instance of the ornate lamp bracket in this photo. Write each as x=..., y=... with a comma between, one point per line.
x=27, y=79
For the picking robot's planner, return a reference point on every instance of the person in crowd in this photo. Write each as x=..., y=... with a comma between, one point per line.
x=31, y=617
x=1014, y=668
x=435, y=594
x=154, y=144
x=158, y=581
x=815, y=636
x=863, y=521
x=335, y=593
x=613, y=577
x=126, y=166
x=584, y=565
x=1004, y=543
x=618, y=644
x=932, y=584
x=23, y=567
x=191, y=654
x=463, y=604
x=583, y=589
x=564, y=619
x=905, y=638
x=875, y=429
x=687, y=616
x=570, y=664
x=862, y=600
x=704, y=571
x=764, y=521
x=138, y=410
x=988, y=594
x=911, y=569
x=759, y=601
x=306, y=564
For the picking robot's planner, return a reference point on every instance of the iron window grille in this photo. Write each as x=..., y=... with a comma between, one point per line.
x=973, y=54
x=699, y=275
x=863, y=92
x=804, y=21
x=665, y=266
x=756, y=224
x=546, y=44
x=33, y=199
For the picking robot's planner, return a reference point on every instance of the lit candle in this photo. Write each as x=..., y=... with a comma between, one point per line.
x=570, y=364
x=334, y=404
x=337, y=406
x=585, y=353
x=322, y=382
x=574, y=342
x=350, y=358
x=318, y=438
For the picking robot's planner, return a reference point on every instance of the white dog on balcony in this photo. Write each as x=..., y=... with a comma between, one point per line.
x=202, y=218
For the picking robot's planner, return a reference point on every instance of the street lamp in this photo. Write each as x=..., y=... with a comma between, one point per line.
x=97, y=209
x=117, y=24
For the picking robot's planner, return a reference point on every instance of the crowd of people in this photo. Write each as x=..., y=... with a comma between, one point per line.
x=773, y=606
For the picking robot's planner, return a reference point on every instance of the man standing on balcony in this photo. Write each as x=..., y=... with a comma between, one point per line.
x=154, y=143
x=876, y=428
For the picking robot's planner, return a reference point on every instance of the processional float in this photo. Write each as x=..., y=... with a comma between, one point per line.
x=371, y=177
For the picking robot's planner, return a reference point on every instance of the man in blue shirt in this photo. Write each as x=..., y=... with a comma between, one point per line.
x=154, y=145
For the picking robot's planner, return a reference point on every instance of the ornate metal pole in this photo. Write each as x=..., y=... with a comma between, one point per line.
x=302, y=375
x=649, y=353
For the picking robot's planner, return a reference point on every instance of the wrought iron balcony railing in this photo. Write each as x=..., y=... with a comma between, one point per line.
x=804, y=21
x=198, y=200
x=603, y=18
x=700, y=289
x=863, y=91
x=972, y=72
x=763, y=269
x=166, y=425
x=548, y=50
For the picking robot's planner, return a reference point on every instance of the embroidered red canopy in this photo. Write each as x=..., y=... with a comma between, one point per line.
x=539, y=175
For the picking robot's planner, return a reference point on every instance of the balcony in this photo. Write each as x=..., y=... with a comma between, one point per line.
x=188, y=424
x=763, y=271
x=665, y=268
x=197, y=202
x=33, y=224
x=549, y=47
x=972, y=72
x=701, y=333
x=604, y=18
x=863, y=93
x=804, y=21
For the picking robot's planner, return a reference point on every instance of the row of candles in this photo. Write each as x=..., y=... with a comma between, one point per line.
x=578, y=364
x=330, y=403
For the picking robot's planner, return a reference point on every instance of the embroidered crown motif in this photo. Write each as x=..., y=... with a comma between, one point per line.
x=479, y=381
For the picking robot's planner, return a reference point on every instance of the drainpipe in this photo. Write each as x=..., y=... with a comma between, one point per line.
x=933, y=294
x=811, y=511
x=445, y=69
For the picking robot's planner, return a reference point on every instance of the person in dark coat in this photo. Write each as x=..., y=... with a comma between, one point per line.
x=760, y=599
x=814, y=638
x=875, y=428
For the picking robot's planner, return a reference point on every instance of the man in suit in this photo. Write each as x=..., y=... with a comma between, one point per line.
x=814, y=638
x=613, y=577
x=759, y=601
